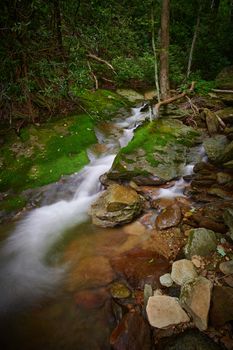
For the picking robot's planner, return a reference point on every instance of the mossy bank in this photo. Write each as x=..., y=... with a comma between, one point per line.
x=41, y=154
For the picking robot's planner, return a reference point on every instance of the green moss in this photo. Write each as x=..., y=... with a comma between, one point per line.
x=42, y=154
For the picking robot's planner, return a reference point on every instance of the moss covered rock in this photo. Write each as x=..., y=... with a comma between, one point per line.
x=156, y=154
x=200, y=242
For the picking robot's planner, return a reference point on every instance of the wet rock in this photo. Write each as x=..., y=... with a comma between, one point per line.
x=189, y=340
x=215, y=147
x=147, y=293
x=166, y=280
x=211, y=121
x=222, y=306
x=224, y=79
x=135, y=228
x=131, y=95
x=169, y=217
x=90, y=299
x=91, y=272
x=165, y=142
x=195, y=299
x=133, y=333
x=228, y=153
x=119, y=290
x=163, y=311
x=167, y=243
x=183, y=271
x=224, y=178
x=226, y=114
x=140, y=266
x=116, y=206
x=228, y=218
x=226, y=267
x=200, y=242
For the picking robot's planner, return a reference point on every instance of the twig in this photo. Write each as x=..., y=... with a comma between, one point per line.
x=223, y=91
x=93, y=75
x=101, y=60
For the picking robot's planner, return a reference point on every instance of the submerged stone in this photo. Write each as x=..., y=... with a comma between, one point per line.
x=132, y=333
x=169, y=217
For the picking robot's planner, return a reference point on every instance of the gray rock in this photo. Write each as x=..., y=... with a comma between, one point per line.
x=195, y=298
x=116, y=206
x=164, y=311
x=200, y=242
x=214, y=148
x=166, y=280
x=226, y=267
x=183, y=271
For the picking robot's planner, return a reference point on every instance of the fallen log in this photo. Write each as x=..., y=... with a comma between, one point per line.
x=222, y=91
x=172, y=99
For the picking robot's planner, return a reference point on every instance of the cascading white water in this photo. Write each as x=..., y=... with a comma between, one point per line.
x=24, y=275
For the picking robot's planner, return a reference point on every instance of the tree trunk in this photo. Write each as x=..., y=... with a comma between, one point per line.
x=193, y=42
x=57, y=15
x=164, y=54
x=155, y=55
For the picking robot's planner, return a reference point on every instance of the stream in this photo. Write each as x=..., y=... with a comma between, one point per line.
x=42, y=263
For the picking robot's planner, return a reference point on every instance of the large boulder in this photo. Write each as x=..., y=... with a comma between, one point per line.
x=195, y=298
x=116, y=206
x=200, y=242
x=163, y=311
x=157, y=153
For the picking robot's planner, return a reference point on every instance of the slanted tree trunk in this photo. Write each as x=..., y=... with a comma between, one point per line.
x=164, y=53
x=193, y=42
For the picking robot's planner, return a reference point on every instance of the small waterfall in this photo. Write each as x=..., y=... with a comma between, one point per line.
x=24, y=275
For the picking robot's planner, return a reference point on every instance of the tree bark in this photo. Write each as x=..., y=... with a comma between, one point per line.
x=164, y=53
x=155, y=55
x=193, y=42
x=57, y=15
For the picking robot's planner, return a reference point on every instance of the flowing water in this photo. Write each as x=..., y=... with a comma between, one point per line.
x=44, y=260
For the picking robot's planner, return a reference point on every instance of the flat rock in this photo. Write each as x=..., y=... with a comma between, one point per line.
x=167, y=243
x=91, y=272
x=163, y=311
x=200, y=242
x=195, y=299
x=222, y=306
x=183, y=271
x=140, y=266
x=116, y=206
x=169, y=217
x=132, y=333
